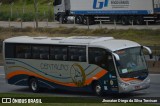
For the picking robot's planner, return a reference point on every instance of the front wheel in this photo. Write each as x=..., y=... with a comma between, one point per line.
x=98, y=90
x=62, y=19
x=33, y=85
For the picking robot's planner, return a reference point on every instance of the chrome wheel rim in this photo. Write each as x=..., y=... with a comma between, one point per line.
x=98, y=89
x=34, y=85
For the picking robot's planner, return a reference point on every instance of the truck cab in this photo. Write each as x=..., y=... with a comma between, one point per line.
x=61, y=8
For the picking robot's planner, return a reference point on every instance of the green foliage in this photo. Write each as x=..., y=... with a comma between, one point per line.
x=28, y=17
x=24, y=9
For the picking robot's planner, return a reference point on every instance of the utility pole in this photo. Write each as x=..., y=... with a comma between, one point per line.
x=36, y=17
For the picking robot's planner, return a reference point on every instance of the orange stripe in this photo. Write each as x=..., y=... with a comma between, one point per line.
x=96, y=77
x=88, y=81
x=12, y=74
x=129, y=79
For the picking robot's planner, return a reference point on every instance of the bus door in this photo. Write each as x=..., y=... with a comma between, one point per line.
x=104, y=60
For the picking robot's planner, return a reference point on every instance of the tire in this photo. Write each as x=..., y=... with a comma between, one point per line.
x=78, y=20
x=98, y=90
x=33, y=85
x=131, y=20
x=62, y=19
x=139, y=20
x=124, y=20
x=85, y=20
x=88, y=20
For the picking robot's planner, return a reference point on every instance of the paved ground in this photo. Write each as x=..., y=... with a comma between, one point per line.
x=56, y=24
x=153, y=91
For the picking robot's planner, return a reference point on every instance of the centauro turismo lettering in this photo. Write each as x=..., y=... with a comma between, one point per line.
x=54, y=67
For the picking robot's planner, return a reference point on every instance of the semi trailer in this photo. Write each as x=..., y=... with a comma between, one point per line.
x=92, y=11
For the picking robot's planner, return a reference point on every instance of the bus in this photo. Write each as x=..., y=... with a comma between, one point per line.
x=78, y=63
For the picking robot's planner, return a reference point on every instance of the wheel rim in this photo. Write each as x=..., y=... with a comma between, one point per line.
x=98, y=89
x=131, y=21
x=34, y=85
x=85, y=21
x=138, y=22
x=123, y=21
x=78, y=21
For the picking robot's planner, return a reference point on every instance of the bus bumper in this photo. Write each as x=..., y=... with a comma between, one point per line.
x=134, y=85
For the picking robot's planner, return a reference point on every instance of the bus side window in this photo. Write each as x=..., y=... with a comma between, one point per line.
x=77, y=53
x=23, y=51
x=9, y=50
x=58, y=53
x=40, y=52
x=100, y=57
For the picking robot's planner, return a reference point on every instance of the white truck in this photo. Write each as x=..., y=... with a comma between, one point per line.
x=91, y=11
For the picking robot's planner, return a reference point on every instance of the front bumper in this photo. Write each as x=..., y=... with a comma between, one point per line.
x=125, y=87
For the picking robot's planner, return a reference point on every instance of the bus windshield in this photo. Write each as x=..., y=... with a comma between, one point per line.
x=132, y=62
x=57, y=2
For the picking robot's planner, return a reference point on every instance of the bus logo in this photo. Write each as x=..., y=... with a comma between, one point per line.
x=99, y=4
x=78, y=75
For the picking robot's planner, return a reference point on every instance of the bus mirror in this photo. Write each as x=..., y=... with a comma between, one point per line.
x=149, y=50
x=116, y=56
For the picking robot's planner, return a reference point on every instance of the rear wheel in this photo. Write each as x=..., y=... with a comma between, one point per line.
x=85, y=20
x=88, y=20
x=78, y=20
x=125, y=20
x=131, y=20
x=33, y=85
x=139, y=20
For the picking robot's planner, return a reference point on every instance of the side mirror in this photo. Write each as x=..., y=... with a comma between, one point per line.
x=150, y=51
x=116, y=56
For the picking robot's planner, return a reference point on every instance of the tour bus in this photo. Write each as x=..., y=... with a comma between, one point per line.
x=78, y=63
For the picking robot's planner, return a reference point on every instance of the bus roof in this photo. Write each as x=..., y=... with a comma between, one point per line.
x=104, y=42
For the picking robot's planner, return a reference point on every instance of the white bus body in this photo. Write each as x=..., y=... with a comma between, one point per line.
x=75, y=63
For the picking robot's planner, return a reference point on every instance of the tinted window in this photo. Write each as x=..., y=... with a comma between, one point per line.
x=101, y=58
x=77, y=53
x=58, y=53
x=57, y=2
x=40, y=52
x=9, y=50
x=23, y=51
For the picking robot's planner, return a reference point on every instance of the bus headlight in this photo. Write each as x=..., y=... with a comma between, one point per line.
x=122, y=84
x=148, y=81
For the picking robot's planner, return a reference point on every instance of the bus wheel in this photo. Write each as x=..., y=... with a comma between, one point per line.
x=98, y=90
x=33, y=85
